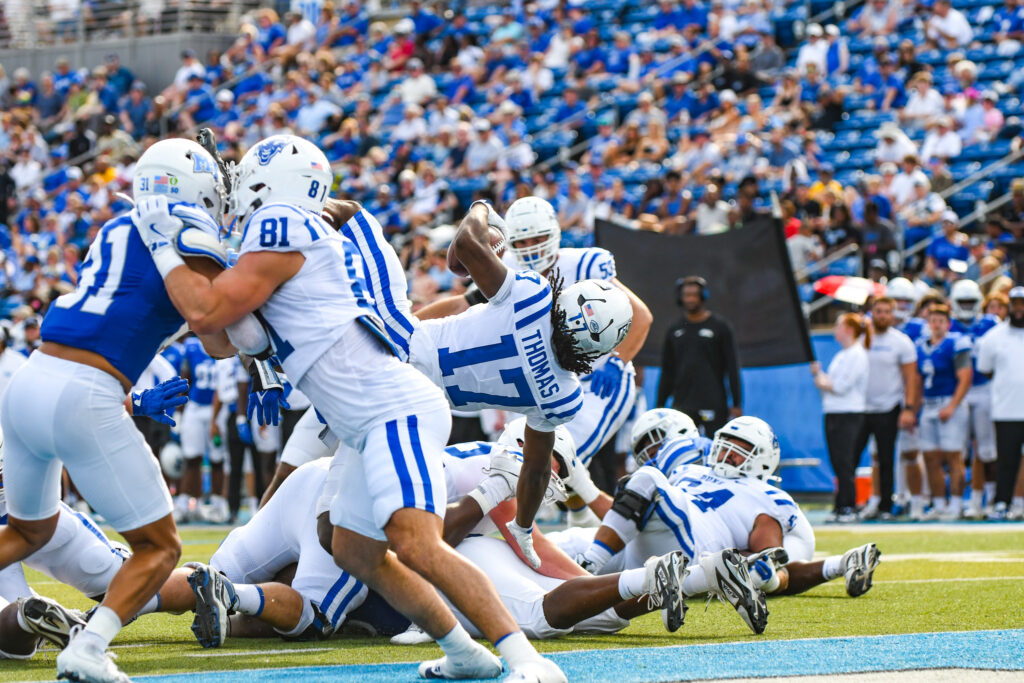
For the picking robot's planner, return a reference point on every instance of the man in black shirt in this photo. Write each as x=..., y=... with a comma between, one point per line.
x=698, y=355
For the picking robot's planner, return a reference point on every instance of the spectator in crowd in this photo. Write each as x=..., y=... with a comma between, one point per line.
x=947, y=254
x=875, y=18
x=891, y=401
x=947, y=27
x=922, y=214
x=814, y=51
x=1001, y=356
x=878, y=235
x=941, y=141
x=699, y=365
x=844, y=388
x=945, y=369
x=805, y=247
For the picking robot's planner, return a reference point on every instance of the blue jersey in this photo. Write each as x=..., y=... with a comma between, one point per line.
x=175, y=355
x=936, y=363
x=203, y=370
x=679, y=451
x=914, y=328
x=978, y=330
x=120, y=309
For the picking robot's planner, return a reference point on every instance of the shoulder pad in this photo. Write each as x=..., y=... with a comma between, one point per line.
x=198, y=242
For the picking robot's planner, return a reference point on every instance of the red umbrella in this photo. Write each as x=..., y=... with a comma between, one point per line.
x=852, y=290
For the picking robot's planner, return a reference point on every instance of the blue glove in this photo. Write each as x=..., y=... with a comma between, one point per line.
x=606, y=378
x=244, y=430
x=159, y=402
x=267, y=406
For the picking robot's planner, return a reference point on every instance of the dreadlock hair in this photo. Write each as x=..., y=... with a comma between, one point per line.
x=567, y=350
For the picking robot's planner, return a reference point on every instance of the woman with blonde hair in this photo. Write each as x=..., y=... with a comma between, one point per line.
x=844, y=390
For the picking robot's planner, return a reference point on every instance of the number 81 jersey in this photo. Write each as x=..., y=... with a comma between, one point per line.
x=499, y=355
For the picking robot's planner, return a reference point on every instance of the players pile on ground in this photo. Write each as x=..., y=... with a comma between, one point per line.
x=315, y=291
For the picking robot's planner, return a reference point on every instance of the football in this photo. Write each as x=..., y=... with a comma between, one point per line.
x=455, y=265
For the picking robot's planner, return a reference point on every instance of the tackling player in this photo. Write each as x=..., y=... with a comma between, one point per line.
x=306, y=280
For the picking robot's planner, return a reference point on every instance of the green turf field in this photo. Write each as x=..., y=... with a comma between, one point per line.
x=932, y=578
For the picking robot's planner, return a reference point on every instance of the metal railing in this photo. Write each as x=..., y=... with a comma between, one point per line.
x=820, y=264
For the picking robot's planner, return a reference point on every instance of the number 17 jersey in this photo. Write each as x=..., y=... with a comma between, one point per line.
x=499, y=355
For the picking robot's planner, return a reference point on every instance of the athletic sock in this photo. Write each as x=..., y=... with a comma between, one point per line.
x=1017, y=503
x=990, y=492
x=977, y=497
x=832, y=568
x=938, y=503
x=873, y=502
x=456, y=643
x=250, y=599
x=153, y=605
x=956, y=505
x=101, y=629
x=598, y=555
x=631, y=583
x=515, y=649
x=696, y=581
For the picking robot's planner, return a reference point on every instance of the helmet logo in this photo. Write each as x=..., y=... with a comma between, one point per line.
x=165, y=184
x=268, y=150
x=201, y=164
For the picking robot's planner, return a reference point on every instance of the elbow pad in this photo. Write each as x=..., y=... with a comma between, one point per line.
x=633, y=507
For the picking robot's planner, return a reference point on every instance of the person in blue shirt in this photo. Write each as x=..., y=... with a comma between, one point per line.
x=199, y=106
x=890, y=93
x=539, y=38
x=135, y=110
x=692, y=13
x=570, y=111
x=425, y=21
x=944, y=366
x=669, y=17
x=225, y=111
x=353, y=24
x=175, y=355
x=118, y=75
x=196, y=421
x=63, y=76
x=951, y=245
x=103, y=92
x=270, y=33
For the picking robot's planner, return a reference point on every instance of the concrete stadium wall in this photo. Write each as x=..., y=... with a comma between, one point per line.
x=153, y=59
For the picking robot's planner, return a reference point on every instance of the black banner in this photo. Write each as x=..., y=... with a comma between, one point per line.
x=749, y=276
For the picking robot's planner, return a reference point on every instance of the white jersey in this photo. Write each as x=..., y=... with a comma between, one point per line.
x=590, y=263
x=499, y=355
x=229, y=372
x=310, y=312
x=464, y=465
x=384, y=277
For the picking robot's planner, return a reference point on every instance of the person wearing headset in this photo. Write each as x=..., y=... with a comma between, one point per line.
x=699, y=364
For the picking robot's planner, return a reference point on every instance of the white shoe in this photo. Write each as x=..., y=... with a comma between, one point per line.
x=85, y=664
x=917, y=511
x=537, y=671
x=973, y=511
x=413, y=635
x=859, y=565
x=663, y=585
x=481, y=664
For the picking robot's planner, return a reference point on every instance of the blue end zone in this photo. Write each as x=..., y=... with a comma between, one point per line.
x=966, y=650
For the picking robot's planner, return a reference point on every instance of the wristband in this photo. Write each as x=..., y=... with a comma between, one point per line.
x=166, y=259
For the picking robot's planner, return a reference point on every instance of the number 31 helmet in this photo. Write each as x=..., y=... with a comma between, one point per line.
x=655, y=426
x=751, y=439
x=533, y=219
x=598, y=315
x=281, y=168
x=182, y=171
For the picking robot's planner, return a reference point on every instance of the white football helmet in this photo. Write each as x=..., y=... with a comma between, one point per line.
x=655, y=426
x=564, y=452
x=965, y=300
x=182, y=171
x=906, y=296
x=760, y=454
x=172, y=460
x=533, y=218
x=598, y=315
x=281, y=168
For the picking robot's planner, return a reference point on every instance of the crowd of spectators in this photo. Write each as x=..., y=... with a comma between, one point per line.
x=679, y=117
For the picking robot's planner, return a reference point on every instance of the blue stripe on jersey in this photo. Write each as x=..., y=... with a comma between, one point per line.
x=482, y=448
x=590, y=265
x=421, y=463
x=572, y=411
x=679, y=513
x=579, y=270
x=687, y=550
x=88, y=524
x=783, y=501
x=325, y=604
x=533, y=317
x=314, y=234
x=672, y=457
x=562, y=401
x=343, y=605
x=385, y=277
x=398, y=457
x=607, y=418
x=529, y=301
x=3, y=519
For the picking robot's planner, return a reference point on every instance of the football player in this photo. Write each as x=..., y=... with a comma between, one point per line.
x=519, y=352
x=729, y=504
x=966, y=303
x=64, y=406
x=307, y=282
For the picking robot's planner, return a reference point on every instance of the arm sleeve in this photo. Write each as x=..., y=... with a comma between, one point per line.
x=668, y=369
x=962, y=360
x=732, y=365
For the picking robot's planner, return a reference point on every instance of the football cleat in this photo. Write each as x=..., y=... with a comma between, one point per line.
x=83, y=664
x=537, y=671
x=49, y=620
x=663, y=585
x=215, y=600
x=730, y=581
x=859, y=565
x=481, y=664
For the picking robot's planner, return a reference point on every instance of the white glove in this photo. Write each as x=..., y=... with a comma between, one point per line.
x=508, y=466
x=194, y=217
x=158, y=228
x=524, y=537
x=494, y=219
x=579, y=482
